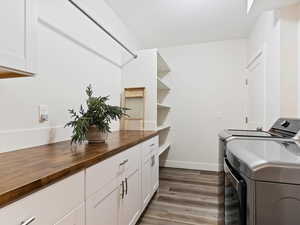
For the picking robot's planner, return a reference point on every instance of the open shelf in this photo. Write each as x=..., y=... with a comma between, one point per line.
x=163, y=148
x=162, y=85
x=162, y=66
x=163, y=110
x=162, y=106
x=163, y=127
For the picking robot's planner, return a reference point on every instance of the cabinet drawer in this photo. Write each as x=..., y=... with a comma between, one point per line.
x=101, y=174
x=150, y=146
x=97, y=176
x=132, y=157
x=48, y=205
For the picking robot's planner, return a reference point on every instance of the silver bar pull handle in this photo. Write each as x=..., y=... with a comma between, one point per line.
x=153, y=160
x=124, y=162
x=123, y=191
x=29, y=221
x=126, y=186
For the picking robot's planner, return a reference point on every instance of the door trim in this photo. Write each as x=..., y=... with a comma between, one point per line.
x=255, y=58
x=252, y=63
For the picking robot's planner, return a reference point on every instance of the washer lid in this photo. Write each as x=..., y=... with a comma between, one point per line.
x=266, y=160
x=225, y=134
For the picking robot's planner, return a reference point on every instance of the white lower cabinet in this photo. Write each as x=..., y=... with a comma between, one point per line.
x=150, y=170
x=134, y=179
x=118, y=201
x=112, y=192
x=47, y=206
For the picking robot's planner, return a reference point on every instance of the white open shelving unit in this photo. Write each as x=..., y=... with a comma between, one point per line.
x=163, y=108
x=150, y=70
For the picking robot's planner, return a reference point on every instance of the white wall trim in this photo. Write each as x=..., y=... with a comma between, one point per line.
x=26, y=138
x=191, y=165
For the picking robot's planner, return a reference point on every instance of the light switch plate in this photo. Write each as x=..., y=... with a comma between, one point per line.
x=44, y=114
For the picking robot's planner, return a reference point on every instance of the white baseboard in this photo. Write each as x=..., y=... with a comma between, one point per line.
x=190, y=165
x=26, y=138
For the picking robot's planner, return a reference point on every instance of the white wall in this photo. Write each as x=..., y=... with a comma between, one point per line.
x=72, y=53
x=289, y=61
x=208, y=95
x=272, y=70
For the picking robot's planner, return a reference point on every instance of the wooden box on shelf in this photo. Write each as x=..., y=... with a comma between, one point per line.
x=134, y=99
x=138, y=92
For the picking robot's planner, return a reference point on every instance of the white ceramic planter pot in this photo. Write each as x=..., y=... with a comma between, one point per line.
x=96, y=136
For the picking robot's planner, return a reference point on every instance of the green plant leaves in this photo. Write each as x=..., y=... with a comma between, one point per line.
x=98, y=113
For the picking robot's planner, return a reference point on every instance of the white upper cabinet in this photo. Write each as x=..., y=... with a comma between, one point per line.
x=258, y=6
x=18, y=35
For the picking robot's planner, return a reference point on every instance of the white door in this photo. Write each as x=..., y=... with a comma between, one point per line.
x=18, y=34
x=256, y=101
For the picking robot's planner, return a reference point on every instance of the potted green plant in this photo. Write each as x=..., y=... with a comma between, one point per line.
x=93, y=124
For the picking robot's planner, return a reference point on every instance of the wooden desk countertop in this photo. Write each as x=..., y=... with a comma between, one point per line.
x=25, y=171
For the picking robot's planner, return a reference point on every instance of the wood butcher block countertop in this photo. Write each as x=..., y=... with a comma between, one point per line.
x=25, y=171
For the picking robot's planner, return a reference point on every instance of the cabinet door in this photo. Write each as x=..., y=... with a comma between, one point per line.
x=146, y=182
x=76, y=217
x=103, y=207
x=131, y=204
x=18, y=34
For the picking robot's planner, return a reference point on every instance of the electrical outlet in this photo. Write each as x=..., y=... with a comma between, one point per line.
x=44, y=115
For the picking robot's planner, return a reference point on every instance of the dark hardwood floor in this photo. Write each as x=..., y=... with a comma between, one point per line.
x=186, y=197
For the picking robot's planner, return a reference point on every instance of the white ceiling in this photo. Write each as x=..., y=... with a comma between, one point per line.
x=162, y=23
